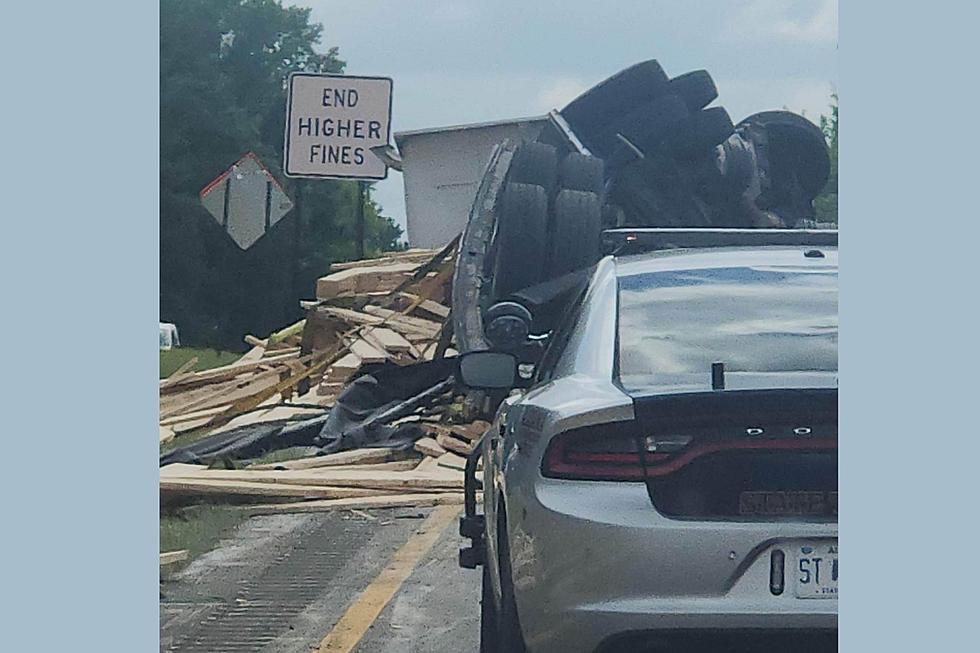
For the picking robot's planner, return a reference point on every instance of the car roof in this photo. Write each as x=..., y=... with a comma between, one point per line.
x=675, y=260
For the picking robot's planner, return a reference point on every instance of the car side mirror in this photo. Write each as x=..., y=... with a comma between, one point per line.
x=487, y=370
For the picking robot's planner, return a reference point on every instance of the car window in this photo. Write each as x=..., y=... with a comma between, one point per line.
x=674, y=324
x=559, y=340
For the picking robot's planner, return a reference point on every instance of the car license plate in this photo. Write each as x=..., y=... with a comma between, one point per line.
x=816, y=570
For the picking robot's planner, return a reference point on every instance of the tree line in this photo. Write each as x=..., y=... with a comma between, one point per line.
x=223, y=68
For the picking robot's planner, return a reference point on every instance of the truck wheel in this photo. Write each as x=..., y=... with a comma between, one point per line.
x=520, y=238
x=590, y=112
x=645, y=126
x=489, y=620
x=535, y=163
x=701, y=132
x=577, y=231
x=696, y=88
x=799, y=144
x=581, y=172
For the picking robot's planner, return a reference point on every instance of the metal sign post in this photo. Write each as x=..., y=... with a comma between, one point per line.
x=333, y=122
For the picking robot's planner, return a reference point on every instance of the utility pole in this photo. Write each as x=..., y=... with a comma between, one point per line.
x=362, y=195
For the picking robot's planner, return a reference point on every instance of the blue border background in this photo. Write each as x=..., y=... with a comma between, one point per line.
x=909, y=453
x=79, y=255
x=80, y=168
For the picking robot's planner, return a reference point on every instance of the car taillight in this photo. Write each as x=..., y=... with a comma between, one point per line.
x=610, y=454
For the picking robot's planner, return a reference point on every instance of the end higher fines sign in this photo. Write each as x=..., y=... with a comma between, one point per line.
x=332, y=122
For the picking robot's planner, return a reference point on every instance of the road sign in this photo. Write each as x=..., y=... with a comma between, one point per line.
x=332, y=122
x=246, y=200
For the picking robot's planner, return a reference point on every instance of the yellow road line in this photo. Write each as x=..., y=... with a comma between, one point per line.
x=365, y=610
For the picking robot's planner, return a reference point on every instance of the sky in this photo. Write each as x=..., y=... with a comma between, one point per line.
x=462, y=61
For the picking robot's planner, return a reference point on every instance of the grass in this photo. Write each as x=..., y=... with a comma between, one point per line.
x=171, y=359
x=198, y=528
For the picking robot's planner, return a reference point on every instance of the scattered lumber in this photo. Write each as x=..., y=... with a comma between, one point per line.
x=240, y=488
x=363, y=279
x=451, y=461
x=450, y=442
x=381, y=501
x=352, y=457
x=393, y=309
x=429, y=447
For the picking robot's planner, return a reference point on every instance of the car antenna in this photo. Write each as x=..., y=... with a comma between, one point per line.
x=717, y=376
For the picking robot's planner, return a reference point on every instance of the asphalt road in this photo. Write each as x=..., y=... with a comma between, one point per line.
x=385, y=581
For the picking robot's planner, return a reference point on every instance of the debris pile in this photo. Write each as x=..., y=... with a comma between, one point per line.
x=361, y=390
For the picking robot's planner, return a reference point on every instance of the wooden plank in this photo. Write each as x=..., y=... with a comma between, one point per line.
x=451, y=443
x=428, y=464
x=450, y=460
x=366, y=352
x=166, y=434
x=352, y=457
x=179, y=372
x=237, y=488
x=226, y=372
x=255, y=342
x=223, y=394
x=403, y=323
x=468, y=432
x=391, y=340
x=351, y=316
x=409, y=255
x=382, y=501
x=248, y=403
x=170, y=557
x=339, y=477
x=429, y=447
x=363, y=279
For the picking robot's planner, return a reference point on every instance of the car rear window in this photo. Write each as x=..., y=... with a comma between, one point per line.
x=754, y=319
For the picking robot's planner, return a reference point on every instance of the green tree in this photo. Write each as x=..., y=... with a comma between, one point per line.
x=223, y=68
x=825, y=203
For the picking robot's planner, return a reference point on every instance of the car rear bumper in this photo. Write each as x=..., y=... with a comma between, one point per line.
x=593, y=562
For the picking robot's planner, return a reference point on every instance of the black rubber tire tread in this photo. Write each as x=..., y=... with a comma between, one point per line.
x=696, y=88
x=535, y=163
x=510, y=639
x=520, y=239
x=645, y=126
x=590, y=112
x=575, y=241
x=581, y=172
x=787, y=132
x=702, y=132
x=489, y=620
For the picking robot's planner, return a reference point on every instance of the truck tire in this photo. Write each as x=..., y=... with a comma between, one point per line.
x=590, y=112
x=535, y=163
x=581, y=172
x=645, y=126
x=489, y=619
x=796, y=142
x=701, y=133
x=519, y=239
x=696, y=88
x=575, y=241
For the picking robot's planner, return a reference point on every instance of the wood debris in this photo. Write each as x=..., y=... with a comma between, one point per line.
x=394, y=310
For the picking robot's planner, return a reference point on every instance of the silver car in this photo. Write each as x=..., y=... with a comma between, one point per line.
x=667, y=480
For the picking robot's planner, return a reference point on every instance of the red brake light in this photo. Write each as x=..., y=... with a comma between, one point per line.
x=610, y=452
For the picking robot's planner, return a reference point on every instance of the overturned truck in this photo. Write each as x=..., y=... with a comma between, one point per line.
x=639, y=149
